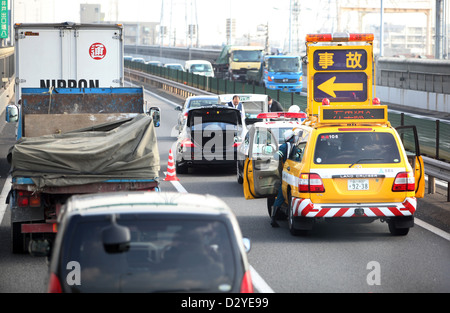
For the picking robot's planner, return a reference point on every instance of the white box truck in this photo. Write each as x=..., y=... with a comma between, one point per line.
x=90, y=133
x=68, y=55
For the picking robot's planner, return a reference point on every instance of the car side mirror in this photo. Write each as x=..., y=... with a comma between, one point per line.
x=247, y=244
x=12, y=113
x=116, y=238
x=155, y=113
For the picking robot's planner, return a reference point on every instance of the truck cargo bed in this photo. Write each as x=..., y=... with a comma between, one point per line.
x=127, y=152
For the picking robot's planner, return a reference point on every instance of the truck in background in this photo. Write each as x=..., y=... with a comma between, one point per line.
x=234, y=62
x=279, y=72
x=78, y=130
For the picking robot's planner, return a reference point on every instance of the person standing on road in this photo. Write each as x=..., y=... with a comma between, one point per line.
x=274, y=105
x=283, y=153
x=235, y=103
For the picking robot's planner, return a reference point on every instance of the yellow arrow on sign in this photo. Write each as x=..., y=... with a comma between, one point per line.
x=329, y=87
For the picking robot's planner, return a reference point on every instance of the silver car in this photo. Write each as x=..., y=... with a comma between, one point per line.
x=148, y=242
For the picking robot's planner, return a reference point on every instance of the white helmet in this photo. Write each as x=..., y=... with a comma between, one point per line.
x=288, y=135
x=294, y=108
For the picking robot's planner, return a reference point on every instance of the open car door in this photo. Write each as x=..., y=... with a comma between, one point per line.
x=261, y=167
x=410, y=139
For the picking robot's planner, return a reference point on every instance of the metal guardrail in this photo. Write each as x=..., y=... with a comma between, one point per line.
x=433, y=168
x=166, y=84
x=437, y=169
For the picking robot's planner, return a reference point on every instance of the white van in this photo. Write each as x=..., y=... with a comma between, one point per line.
x=199, y=67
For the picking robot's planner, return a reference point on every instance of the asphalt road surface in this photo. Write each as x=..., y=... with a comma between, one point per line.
x=360, y=258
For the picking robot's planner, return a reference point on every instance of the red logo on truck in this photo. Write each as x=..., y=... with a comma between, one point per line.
x=97, y=51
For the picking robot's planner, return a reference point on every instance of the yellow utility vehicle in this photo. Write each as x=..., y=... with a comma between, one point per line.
x=349, y=163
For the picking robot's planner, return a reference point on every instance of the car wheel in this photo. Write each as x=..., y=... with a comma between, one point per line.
x=292, y=230
x=239, y=177
x=397, y=231
x=181, y=169
x=17, y=238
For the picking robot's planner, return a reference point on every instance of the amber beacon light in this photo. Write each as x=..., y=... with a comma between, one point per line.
x=339, y=37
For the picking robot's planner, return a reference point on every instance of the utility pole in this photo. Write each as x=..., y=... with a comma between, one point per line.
x=438, y=28
x=381, y=28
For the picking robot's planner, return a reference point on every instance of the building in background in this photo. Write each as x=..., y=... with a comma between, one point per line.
x=91, y=13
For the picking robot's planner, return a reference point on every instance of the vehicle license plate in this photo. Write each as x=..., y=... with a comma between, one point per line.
x=358, y=184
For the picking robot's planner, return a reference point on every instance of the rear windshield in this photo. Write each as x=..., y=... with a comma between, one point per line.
x=202, y=102
x=213, y=115
x=356, y=147
x=165, y=255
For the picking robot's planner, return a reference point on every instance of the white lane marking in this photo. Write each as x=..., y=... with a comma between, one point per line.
x=161, y=98
x=178, y=186
x=3, y=195
x=259, y=283
x=432, y=229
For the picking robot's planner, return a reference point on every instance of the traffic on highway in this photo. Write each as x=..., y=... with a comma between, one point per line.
x=87, y=204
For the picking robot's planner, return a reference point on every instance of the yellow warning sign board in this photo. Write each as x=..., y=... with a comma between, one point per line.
x=341, y=73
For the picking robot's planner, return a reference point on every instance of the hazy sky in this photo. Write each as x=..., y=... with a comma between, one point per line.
x=212, y=15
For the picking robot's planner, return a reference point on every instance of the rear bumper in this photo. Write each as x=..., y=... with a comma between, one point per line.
x=305, y=208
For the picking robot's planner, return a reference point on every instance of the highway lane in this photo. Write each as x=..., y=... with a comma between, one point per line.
x=333, y=258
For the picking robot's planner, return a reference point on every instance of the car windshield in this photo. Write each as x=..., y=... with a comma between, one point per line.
x=199, y=117
x=201, y=68
x=284, y=65
x=247, y=56
x=252, y=109
x=356, y=148
x=165, y=255
x=197, y=103
x=175, y=67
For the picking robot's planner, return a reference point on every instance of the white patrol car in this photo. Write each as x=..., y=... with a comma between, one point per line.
x=252, y=105
x=262, y=140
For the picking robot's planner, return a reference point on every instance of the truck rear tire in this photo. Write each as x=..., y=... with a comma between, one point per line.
x=17, y=238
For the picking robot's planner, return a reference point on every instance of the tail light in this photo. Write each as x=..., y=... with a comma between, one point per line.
x=236, y=144
x=26, y=198
x=404, y=181
x=247, y=285
x=54, y=286
x=310, y=182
